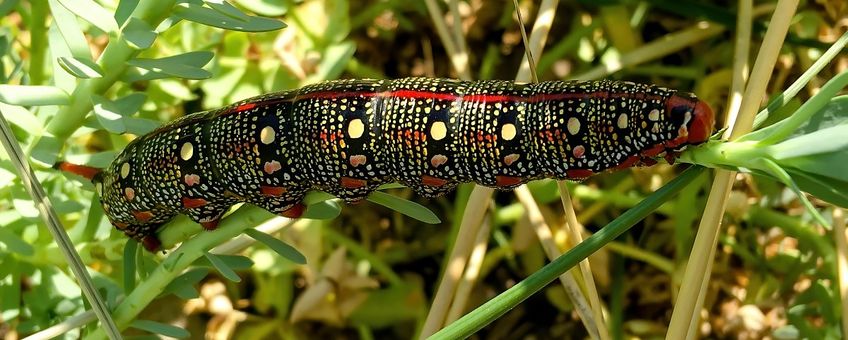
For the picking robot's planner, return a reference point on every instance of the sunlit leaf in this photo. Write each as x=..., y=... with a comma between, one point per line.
x=270, y=8
x=33, y=95
x=225, y=8
x=81, y=68
x=70, y=31
x=90, y=11
x=22, y=118
x=186, y=65
x=107, y=115
x=208, y=16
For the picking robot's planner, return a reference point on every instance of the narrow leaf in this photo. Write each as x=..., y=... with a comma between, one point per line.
x=186, y=280
x=827, y=140
x=107, y=115
x=285, y=250
x=81, y=68
x=325, y=210
x=835, y=192
x=15, y=244
x=185, y=65
x=90, y=11
x=21, y=118
x=124, y=10
x=222, y=267
x=70, y=31
x=406, y=207
x=270, y=8
x=139, y=34
x=210, y=17
x=784, y=177
x=160, y=328
x=225, y=8
x=33, y=95
x=130, y=250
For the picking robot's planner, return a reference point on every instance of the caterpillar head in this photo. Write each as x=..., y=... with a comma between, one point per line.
x=695, y=117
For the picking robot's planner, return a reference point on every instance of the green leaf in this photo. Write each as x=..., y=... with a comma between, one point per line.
x=112, y=115
x=210, y=17
x=325, y=210
x=140, y=126
x=15, y=244
x=408, y=208
x=222, y=267
x=124, y=10
x=107, y=115
x=225, y=8
x=90, y=11
x=139, y=34
x=827, y=140
x=285, y=250
x=183, y=285
x=186, y=65
x=130, y=250
x=81, y=68
x=783, y=176
x=22, y=118
x=33, y=95
x=70, y=31
x=832, y=191
x=269, y=8
x=160, y=328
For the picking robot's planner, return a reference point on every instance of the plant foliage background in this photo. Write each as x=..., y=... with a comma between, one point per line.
x=99, y=73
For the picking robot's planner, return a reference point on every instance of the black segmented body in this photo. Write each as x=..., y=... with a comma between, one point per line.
x=348, y=137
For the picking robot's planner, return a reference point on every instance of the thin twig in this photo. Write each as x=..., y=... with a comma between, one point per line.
x=48, y=215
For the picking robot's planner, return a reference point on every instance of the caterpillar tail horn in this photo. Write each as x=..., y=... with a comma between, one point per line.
x=84, y=171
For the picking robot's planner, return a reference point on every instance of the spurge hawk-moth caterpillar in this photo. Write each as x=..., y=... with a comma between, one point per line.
x=348, y=137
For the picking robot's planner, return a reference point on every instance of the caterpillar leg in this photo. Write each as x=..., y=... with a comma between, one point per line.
x=208, y=214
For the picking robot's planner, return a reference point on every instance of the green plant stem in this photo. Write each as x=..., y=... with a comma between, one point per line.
x=496, y=307
x=802, y=81
x=114, y=59
x=802, y=115
x=38, y=41
x=174, y=265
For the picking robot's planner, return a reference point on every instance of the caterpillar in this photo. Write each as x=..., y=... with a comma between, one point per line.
x=347, y=137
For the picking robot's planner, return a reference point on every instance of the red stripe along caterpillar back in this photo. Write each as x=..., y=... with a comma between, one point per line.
x=348, y=137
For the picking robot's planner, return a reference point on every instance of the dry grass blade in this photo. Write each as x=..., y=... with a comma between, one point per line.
x=841, y=240
x=691, y=294
x=472, y=271
x=543, y=231
x=48, y=215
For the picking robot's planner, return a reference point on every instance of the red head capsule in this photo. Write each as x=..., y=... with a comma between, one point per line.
x=701, y=120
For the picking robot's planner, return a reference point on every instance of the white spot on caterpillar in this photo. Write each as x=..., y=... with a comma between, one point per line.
x=187, y=151
x=438, y=130
x=622, y=121
x=355, y=128
x=573, y=125
x=129, y=193
x=267, y=135
x=508, y=131
x=125, y=170
x=654, y=115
